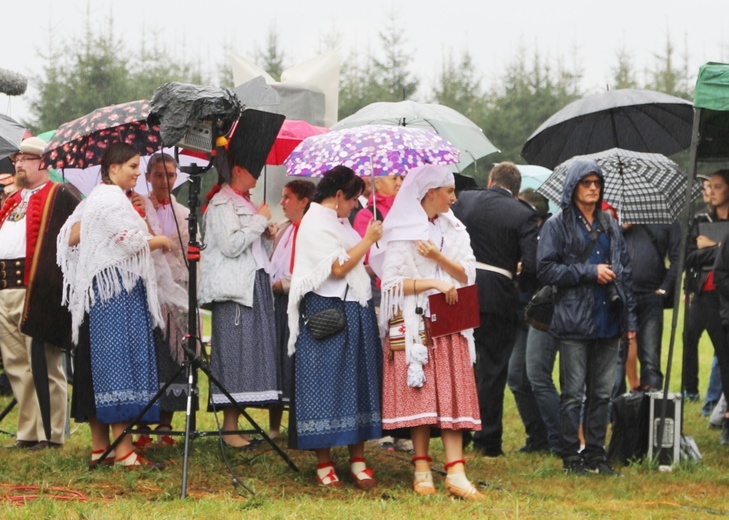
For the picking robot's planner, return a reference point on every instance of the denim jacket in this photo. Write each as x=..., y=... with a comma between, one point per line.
x=229, y=269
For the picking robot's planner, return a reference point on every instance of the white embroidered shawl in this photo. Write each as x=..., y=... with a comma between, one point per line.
x=402, y=261
x=113, y=247
x=322, y=239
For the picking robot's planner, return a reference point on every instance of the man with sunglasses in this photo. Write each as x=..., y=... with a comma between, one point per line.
x=581, y=251
x=33, y=324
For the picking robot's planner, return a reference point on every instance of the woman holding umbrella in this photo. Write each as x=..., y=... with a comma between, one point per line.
x=236, y=284
x=337, y=377
x=104, y=250
x=427, y=382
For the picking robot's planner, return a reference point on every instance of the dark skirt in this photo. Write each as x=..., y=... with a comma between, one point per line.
x=286, y=363
x=244, y=355
x=174, y=398
x=123, y=359
x=83, y=406
x=338, y=379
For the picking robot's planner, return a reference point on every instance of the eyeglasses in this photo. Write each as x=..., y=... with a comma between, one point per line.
x=24, y=158
x=586, y=183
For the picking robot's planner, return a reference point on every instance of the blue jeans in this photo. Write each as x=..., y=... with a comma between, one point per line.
x=541, y=352
x=587, y=368
x=650, y=332
x=519, y=385
x=714, y=390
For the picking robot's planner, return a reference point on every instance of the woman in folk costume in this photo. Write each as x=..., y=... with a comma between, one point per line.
x=295, y=200
x=111, y=284
x=337, y=378
x=167, y=217
x=236, y=284
x=427, y=382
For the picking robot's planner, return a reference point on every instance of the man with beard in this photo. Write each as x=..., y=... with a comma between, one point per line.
x=33, y=324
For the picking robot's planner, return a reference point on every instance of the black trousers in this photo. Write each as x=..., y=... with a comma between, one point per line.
x=494, y=343
x=694, y=326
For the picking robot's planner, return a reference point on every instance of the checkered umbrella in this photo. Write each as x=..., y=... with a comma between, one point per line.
x=646, y=188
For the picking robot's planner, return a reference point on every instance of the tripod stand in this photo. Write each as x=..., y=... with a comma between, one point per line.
x=192, y=361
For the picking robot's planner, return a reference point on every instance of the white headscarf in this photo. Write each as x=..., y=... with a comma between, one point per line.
x=407, y=219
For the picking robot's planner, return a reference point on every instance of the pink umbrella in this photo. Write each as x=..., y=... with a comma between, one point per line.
x=291, y=134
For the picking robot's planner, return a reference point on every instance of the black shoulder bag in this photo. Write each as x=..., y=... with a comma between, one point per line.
x=538, y=312
x=327, y=322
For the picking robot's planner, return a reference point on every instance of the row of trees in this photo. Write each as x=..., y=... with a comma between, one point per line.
x=98, y=68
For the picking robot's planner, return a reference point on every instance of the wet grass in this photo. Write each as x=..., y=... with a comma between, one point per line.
x=57, y=484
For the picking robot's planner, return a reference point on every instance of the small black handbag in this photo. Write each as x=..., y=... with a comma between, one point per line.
x=538, y=312
x=327, y=322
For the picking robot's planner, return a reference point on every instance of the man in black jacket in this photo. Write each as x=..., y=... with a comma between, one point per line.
x=503, y=233
x=653, y=284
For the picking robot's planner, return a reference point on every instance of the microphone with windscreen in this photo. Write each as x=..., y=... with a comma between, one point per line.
x=12, y=83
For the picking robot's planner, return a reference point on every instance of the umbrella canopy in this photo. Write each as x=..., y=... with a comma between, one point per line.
x=81, y=143
x=291, y=134
x=631, y=119
x=645, y=188
x=533, y=176
x=11, y=134
x=370, y=150
x=450, y=124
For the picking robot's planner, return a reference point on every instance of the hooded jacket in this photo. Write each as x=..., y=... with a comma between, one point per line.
x=561, y=244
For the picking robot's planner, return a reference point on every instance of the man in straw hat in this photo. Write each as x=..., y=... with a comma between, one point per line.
x=33, y=324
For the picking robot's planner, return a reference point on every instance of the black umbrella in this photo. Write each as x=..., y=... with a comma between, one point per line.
x=11, y=133
x=631, y=119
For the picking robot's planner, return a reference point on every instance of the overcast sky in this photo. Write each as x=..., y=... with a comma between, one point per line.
x=491, y=31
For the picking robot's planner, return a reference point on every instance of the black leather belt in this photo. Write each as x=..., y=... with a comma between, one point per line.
x=12, y=273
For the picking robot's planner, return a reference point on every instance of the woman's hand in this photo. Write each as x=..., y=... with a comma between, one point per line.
x=374, y=231
x=160, y=242
x=137, y=201
x=270, y=231
x=450, y=291
x=277, y=287
x=428, y=249
x=703, y=242
x=264, y=211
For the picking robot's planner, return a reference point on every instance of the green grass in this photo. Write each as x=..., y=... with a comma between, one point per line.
x=517, y=486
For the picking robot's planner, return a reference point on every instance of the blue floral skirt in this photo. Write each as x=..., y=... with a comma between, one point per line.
x=337, y=395
x=123, y=358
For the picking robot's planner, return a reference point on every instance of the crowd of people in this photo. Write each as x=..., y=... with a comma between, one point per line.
x=334, y=320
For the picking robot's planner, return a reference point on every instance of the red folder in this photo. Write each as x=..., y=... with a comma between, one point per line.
x=448, y=319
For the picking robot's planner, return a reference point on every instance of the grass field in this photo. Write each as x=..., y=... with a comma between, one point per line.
x=56, y=483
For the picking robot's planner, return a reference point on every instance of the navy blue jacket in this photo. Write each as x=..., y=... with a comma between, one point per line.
x=561, y=244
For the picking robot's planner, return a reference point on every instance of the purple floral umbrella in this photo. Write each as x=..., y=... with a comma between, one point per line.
x=370, y=150
x=81, y=143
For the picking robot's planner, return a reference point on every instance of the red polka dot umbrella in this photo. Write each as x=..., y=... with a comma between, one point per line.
x=81, y=143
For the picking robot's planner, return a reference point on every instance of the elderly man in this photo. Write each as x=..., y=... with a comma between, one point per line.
x=33, y=324
x=582, y=252
x=503, y=233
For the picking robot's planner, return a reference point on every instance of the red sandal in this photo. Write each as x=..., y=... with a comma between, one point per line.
x=363, y=479
x=330, y=480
